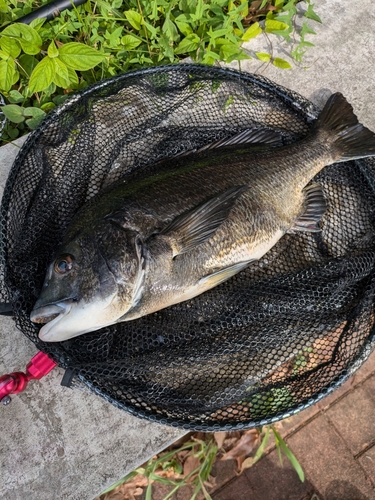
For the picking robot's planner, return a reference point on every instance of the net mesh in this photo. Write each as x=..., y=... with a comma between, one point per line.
x=267, y=343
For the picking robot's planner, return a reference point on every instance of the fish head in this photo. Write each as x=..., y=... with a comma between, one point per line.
x=92, y=282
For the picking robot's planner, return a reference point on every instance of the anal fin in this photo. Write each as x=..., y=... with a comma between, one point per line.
x=315, y=207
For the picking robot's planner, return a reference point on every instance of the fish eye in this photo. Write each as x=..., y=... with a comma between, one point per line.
x=64, y=264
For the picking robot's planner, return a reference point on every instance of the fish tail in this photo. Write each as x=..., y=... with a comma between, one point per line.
x=350, y=138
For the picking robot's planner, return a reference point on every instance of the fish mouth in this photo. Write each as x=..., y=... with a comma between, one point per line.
x=50, y=312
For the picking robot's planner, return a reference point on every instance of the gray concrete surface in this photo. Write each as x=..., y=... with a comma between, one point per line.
x=341, y=61
x=59, y=443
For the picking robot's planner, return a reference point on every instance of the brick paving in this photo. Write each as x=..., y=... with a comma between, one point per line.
x=334, y=441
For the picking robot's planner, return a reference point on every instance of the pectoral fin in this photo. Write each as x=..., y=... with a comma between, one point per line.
x=315, y=206
x=218, y=277
x=196, y=226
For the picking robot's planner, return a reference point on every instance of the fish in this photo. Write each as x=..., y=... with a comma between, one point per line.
x=190, y=223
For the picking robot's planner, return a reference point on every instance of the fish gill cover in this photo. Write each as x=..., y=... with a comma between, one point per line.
x=273, y=339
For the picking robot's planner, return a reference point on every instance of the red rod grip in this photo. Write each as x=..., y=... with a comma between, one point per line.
x=40, y=365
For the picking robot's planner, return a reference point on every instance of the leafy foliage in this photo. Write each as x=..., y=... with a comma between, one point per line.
x=190, y=463
x=43, y=62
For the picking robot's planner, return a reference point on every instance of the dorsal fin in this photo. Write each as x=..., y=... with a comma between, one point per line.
x=250, y=136
x=256, y=137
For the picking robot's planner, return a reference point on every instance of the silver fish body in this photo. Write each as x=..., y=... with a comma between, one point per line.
x=190, y=224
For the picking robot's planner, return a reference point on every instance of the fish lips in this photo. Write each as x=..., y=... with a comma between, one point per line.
x=51, y=313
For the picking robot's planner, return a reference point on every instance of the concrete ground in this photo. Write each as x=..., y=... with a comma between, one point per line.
x=65, y=444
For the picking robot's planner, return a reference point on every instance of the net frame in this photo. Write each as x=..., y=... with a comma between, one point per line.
x=266, y=394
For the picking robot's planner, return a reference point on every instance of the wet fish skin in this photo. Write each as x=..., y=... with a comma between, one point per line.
x=190, y=224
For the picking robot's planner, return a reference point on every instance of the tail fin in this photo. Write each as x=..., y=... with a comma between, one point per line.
x=351, y=139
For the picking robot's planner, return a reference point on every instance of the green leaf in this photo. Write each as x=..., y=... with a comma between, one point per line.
x=114, y=36
x=263, y=4
x=37, y=116
x=15, y=97
x=263, y=56
x=130, y=42
x=249, y=462
x=79, y=56
x=281, y=63
x=251, y=32
x=43, y=74
x=218, y=33
x=27, y=63
x=73, y=78
x=277, y=442
x=185, y=28
x=210, y=57
x=199, y=10
x=153, y=31
x=37, y=23
x=306, y=30
x=290, y=455
x=169, y=28
x=216, y=10
x=52, y=50
x=311, y=14
x=13, y=132
x=27, y=37
x=10, y=46
x=51, y=89
x=285, y=34
x=286, y=18
x=231, y=52
x=149, y=492
x=183, y=18
x=3, y=7
x=47, y=106
x=188, y=44
x=6, y=74
x=16, y=77
x=61, y=76
x=13, y=112
x=33, y=112
x=291, y=5
x=154, y=16
x=306, y=44
x=134, y=18
x=59, y=99
x=241, y=56
x=273, y=25
x=167, y=52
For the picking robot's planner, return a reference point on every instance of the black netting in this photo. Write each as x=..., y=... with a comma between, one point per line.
x=270, y=341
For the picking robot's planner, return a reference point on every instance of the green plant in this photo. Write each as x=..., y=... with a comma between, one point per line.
x=261, y=404
x=203, y=451
x=191, y=463
x=281, y=446
x=42, y=63
x=301, y=360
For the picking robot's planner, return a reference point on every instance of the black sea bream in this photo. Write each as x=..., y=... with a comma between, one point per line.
x=190, y=224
